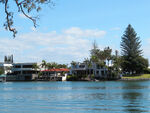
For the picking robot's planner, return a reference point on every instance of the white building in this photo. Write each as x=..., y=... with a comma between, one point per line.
x=7, y=64
x=84, y=69
x=6, y=67
x=23, y=71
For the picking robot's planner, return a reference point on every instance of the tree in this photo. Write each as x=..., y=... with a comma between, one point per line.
x=36, y=67
x=74, y=63
x=5, y=59
x=142, y=65
x=100, y=56
x=94, y=52
x=116, y=61
x=107, y=54
x=62, y=66
x=130, y=43
x=1, y=71
x=88, y=62
x=52, y=65
x=24, y=7
x=131, y=52
x=49, y=66
x=44, y=64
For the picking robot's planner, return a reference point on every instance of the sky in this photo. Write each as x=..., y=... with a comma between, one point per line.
x=66, y=31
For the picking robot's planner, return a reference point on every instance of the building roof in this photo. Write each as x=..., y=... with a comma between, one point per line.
x=57, y=70
x=24, y=63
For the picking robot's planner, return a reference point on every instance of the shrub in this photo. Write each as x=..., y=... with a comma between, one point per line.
x=72, y=77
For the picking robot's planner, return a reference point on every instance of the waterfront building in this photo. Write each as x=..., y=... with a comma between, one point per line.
x=7, y=64
x=6, y=67
x=86, y=69
x=23, y=71
x=54, y=74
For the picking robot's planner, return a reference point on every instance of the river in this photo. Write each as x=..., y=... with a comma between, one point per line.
x=75, y=97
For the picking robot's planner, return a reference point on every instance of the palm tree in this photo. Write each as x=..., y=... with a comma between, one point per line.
x=36, y=68
x=54, y=65
x=49, y=65
x=73, y=63
x=44, y=64
x=107, y=52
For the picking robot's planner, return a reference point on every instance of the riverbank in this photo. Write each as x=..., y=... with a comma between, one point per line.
x=126, y=78
x=135, y=78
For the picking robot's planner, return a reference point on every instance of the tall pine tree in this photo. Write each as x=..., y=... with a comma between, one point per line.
x=131, y=51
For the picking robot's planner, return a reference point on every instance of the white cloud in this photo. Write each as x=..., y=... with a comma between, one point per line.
x=52, y=46
x=85, y=33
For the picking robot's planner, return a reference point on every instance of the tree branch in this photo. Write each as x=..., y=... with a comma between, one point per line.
x=25, y=7
x=20, y=8
x=9, y=22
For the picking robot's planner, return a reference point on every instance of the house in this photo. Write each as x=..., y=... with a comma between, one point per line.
x=54, y=74
x=85, y=69
x=23, y=71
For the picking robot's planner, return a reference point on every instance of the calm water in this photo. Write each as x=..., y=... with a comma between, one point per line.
x=75, y=97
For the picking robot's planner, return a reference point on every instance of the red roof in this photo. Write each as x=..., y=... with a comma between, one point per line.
x=61, y=69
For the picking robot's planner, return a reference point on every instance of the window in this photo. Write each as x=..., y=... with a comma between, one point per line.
x=98, y=66
x=81, y=66
x=102, y=73
x=28, y=72
x=17, y=66
x=17, y=72
x=27, y=66
x=97, y=72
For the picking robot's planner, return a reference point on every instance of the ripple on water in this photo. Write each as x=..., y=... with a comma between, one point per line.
x=75, y=97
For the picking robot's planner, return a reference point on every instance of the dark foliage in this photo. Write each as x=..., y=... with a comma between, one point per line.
x=132, y=60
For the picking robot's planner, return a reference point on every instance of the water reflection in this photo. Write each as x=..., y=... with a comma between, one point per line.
x=75, y=97
x=132, y=97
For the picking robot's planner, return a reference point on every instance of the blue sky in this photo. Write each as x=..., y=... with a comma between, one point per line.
x=66, y=31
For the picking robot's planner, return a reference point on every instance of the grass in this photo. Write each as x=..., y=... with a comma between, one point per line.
x=143, y=76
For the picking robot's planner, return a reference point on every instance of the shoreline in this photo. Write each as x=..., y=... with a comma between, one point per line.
x=142, y=79
x=134, y=79
x=90, y=80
